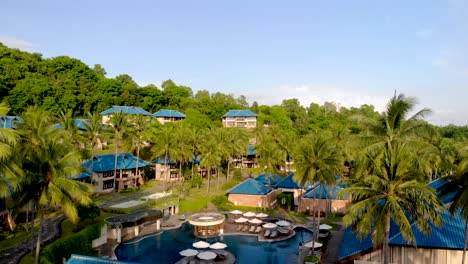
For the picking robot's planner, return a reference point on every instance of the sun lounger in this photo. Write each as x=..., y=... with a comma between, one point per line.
x=274, y=234
x=267, y=233
x=246, y=227
x=239, y=228
x=258, y=229
x=252, y=229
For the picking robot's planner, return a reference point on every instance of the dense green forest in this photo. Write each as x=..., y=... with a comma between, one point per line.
x=63, y=83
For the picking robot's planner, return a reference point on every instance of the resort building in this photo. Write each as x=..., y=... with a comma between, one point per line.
x=322, y=197
x=253, y=193
x=289, y=186
x=240, y=118
x=10, y=121
x=247, y=160
x=165, y=170
x=443, y=245
x=207, y=224
x=100, y=172
x=129, y=110
x=168, y=116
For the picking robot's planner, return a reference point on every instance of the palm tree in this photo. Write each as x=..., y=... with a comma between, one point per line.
x=386, y=185
x=235, y=142
x=211, y=154
x=163, y=144
x=286, y=141
x=68, y=127
x=269, y=154
x=317, y=159
x=93, y=133
x=9, y=171
x=119, y=125
x=460, y=179
x=139, y=136
x=183, y=146
x=49, y=161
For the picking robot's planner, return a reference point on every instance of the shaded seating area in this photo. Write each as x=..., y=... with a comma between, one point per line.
x=209, y=256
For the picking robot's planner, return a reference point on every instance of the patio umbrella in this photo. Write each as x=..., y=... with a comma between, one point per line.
x=325, y=227
x=249, y=214
x=201, y=244
x=313, y=244
x=269, y=225
x=207, y=255
x=261, y=215
x=283, y=223
x=255, y=221
x=241, y=220
x=236, y=212
x=218, y=245
x=189, y=252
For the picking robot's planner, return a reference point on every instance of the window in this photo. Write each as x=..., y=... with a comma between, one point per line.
x=107, y=184
x=107, y=174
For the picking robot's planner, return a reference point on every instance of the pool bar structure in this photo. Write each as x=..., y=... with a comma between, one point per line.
x=207, y=224
x=122, y=225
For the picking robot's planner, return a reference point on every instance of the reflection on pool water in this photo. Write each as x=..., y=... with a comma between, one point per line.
x=165, y=247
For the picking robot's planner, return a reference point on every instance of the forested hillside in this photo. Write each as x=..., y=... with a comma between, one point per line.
x=63, y=83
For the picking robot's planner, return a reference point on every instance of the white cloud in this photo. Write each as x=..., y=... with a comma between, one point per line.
x=16, y=43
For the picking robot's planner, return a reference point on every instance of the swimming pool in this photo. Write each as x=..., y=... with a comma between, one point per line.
x=165, y=247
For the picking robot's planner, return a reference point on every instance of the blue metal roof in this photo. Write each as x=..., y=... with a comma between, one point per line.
x=10, y=121
x=80, y=259
x=240, y=113
x=132, y=110
x=290, y=183
x=168, y=113
x=451, y=235
x=162, y=161
x=251, y=187
x=269, y=179
x=445, y=190
x=251, y=150
x=125, y=161
x=325, y=191
x=448, y=236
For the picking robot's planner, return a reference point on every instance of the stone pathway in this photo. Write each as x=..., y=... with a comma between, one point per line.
x=50, y=232
x=333, y=246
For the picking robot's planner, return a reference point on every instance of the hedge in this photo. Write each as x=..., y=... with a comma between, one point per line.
x=79, y=243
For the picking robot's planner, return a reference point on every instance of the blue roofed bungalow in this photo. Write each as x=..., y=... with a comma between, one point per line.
x=291, y=187
x=253, y=193
x=165, y=169
x=168, y=116
x=129, y=110
x=322, y=196
x=240, y=118
x=100, y=171
x=443, y=245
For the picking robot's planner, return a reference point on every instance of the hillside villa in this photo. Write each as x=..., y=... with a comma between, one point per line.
x=323, y=196
x=253, y=193
x=129, y=110
x=240, y=118
x=168, y=116
x=100, y=172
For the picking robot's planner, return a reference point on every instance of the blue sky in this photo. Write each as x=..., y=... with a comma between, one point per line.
x=349, y=52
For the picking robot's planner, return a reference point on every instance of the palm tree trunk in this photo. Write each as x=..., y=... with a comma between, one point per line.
x=136, y=165
x=115, y=160
x=217, y=177
x=314, y=207
x=193, y=165
x=228, y=169
x=180, y=171
x=466, y=241
x=386, y=247
x=32, y=228
x=209, y=176
x=39, y=236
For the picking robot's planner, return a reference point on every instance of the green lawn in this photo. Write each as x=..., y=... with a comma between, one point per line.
x=18, y=238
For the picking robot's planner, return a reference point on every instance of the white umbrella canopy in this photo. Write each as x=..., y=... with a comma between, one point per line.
x=218, y=245
x=313, y=244
x=207, y=255
x=189, y=252
x=325, y=227
x=255, y=221
x=283, y=223
x=261, y=215
x=236, y=212
x=249, y=214
x=201, y=244
x=270, y=225
x=241, y=220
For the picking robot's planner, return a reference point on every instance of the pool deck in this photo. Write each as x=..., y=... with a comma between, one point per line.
x=229, y=259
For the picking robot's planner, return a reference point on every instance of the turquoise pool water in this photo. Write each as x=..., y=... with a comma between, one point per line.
x=165, y=247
